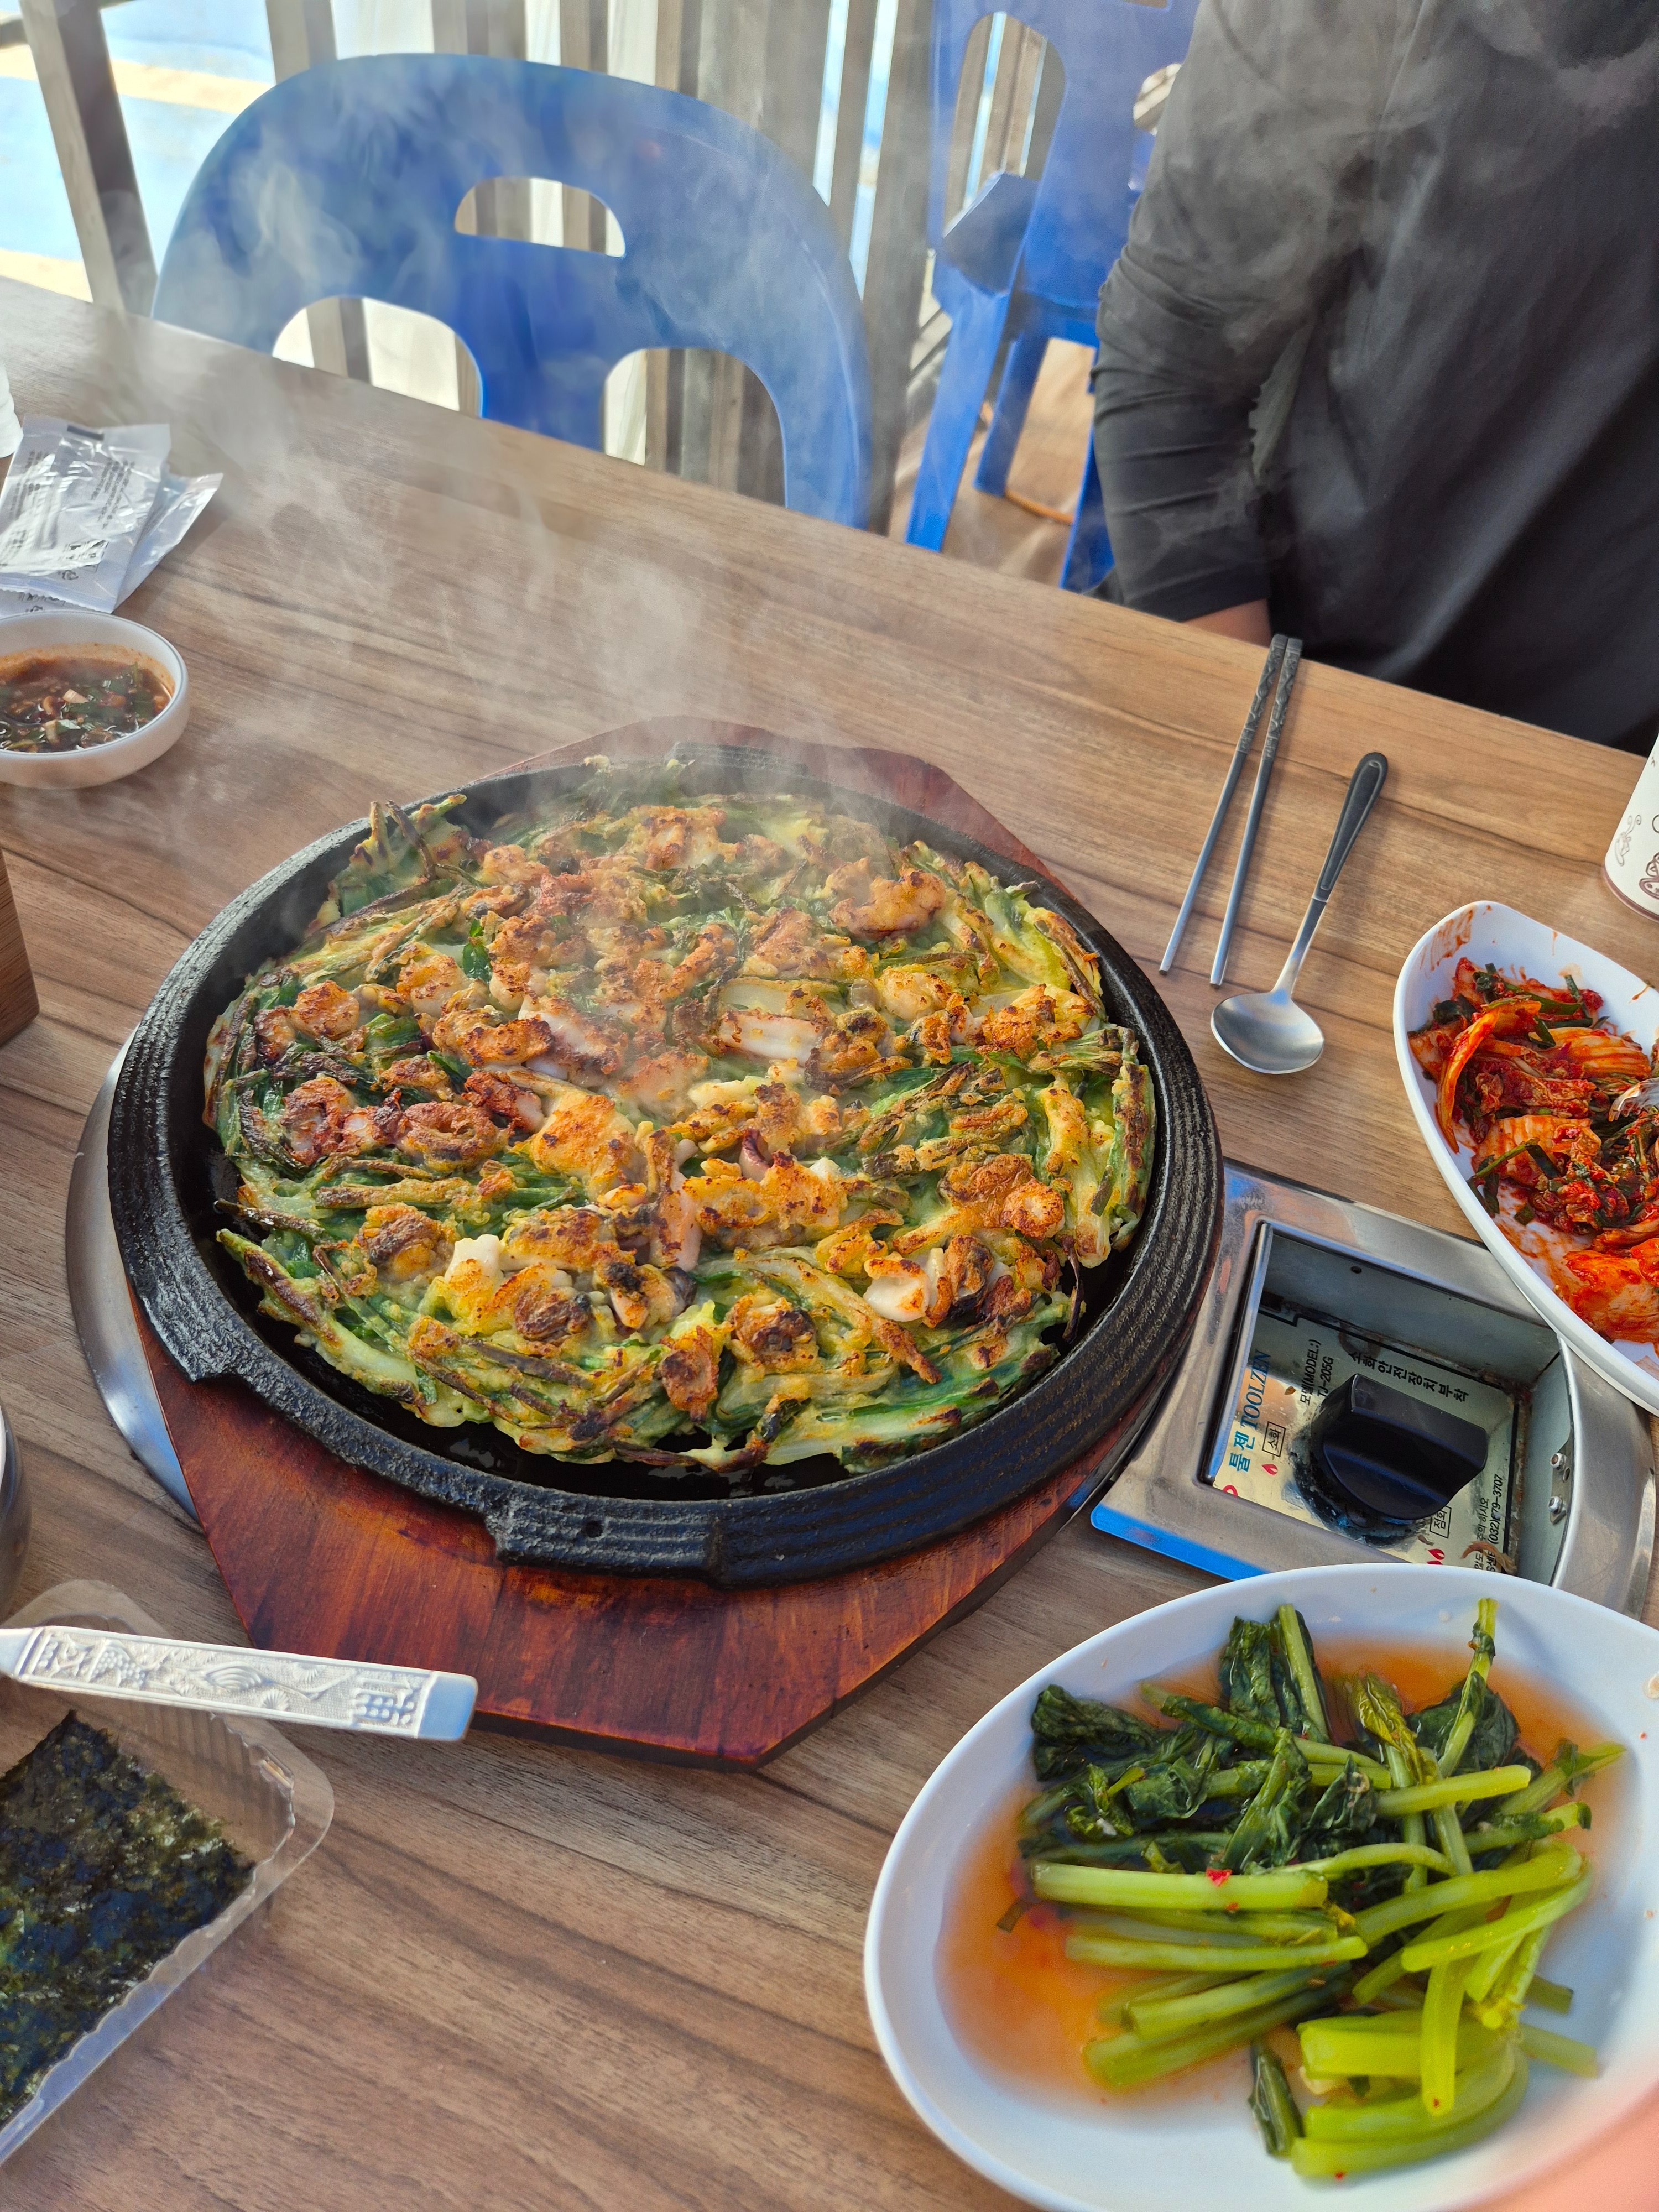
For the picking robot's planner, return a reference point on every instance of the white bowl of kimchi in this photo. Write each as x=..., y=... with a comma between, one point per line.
x=1598, y=1291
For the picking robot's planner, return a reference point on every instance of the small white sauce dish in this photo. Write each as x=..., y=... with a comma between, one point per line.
x=100, y=637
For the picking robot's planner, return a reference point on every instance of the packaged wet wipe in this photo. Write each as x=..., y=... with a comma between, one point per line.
x=74, y=507
x=85, y=515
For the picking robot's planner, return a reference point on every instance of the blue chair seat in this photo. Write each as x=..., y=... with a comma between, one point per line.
x=344, y=181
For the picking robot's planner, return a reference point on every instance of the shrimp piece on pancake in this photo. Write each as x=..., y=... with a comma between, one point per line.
x=790, y=945
x=456, y=1131
x=324, y=1010
x=505, y=1101
x=474, y=1289
x=511, y=864
x=321, y=1116
x=404, y=1245
x=660, y=1083
x=274, y=1034
x=429, y=981
x=911, y=990
x=868, y=905
x=574, y=1237
x=782, y=1205
x=773, y=1335
x=418, y=1073
x=493, y=1044
x=690, y=1370
x=1035, y=1017
x=585, y=1135
x=665, y=837
x=580, y=1048
x=1002, y=1192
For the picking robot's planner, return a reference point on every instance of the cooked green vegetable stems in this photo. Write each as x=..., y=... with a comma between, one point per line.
x=1389, y=1899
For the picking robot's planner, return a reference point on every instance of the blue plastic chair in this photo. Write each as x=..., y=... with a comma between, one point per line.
x=1027, y=258
x=344, y=180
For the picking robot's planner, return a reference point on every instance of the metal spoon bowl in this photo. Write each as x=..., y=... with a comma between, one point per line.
x=1266, y=1030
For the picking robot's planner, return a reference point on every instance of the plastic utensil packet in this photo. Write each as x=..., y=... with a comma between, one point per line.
x=178, y=503
x=74, y=507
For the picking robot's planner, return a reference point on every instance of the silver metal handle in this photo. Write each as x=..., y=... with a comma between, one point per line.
x=1364, y=788
x=222, y=1678
x=1270, y=668
x=1258, y=800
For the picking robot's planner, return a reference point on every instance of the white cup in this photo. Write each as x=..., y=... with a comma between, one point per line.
x=1632, y=863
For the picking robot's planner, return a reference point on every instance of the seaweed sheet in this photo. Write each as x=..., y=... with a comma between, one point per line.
x=104, y=1869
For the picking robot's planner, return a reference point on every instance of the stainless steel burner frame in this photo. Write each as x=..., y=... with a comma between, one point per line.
x=102, y=1306
x=1590, y=1524
x=14, y=1516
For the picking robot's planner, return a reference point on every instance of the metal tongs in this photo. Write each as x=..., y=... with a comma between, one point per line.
x=1278, y=670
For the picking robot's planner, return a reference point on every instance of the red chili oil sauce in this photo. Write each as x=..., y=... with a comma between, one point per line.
x=59, y=700
x=1024, y=2010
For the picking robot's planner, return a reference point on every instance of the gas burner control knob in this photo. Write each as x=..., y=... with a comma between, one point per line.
x=1379, y=1461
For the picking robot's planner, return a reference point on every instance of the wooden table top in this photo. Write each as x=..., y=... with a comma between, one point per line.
x=515, y=1975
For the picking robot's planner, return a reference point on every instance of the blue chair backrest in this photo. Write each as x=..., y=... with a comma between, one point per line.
x=1081, y=213
x=344, y=180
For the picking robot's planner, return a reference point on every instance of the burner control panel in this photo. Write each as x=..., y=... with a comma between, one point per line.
x=1358, y=1385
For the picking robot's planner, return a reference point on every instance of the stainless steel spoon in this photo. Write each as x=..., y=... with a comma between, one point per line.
x=1267, y=1030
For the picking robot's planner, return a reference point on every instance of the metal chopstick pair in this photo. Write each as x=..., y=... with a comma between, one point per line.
x=1284, y=659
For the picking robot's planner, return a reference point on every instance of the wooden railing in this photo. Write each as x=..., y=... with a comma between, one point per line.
x=840, y=85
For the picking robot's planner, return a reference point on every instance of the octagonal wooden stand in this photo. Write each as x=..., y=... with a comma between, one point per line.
x=320, y=1556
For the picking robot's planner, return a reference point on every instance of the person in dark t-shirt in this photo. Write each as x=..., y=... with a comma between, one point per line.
x=1379, y=364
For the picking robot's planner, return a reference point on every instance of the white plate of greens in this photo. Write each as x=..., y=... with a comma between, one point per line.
x=1342, y=1954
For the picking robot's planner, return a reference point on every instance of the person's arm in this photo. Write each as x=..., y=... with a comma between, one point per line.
x=1250, y=622
x=1251, y=209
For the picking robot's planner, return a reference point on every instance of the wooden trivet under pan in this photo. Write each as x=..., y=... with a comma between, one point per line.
x=320, y=1556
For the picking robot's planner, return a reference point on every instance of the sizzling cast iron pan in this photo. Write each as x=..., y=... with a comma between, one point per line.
x=166, y=1174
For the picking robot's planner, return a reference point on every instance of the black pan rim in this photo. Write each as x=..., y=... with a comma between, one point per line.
x=1115, y=1367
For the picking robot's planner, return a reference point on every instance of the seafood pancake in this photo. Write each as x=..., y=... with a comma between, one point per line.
x=726, y=1132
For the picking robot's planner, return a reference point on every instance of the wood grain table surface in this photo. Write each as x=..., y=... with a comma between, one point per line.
x=522, y=1976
